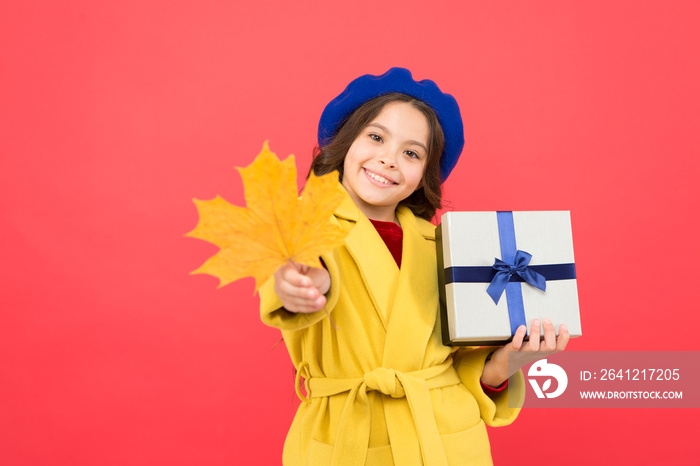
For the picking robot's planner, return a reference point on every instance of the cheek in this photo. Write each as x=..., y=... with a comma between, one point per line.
x=348, y=163
x=415, y=176
x=351, y=157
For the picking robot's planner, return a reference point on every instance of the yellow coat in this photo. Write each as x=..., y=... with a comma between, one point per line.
x=381, y=387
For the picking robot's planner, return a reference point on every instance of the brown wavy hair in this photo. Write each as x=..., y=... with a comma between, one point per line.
x=425, y=200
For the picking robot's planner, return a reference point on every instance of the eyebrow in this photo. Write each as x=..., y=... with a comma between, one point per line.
x=412, y=141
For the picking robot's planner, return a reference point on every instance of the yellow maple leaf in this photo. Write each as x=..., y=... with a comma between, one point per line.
x=276, y=227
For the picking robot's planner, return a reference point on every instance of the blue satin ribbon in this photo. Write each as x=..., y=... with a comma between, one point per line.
x=484, y=274
x=505, y=270
x=514, y=294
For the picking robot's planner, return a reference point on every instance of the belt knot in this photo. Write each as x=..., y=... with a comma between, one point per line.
x=384, y=381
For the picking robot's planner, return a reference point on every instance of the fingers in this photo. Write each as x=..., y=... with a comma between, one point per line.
x=525, y=353
x=563, y=338
x=517, y=341
x=297, y=291
x=304, y=306
x=320, y=278
x=290, y=274
x=299, y=299
x=550, y=337
x=534, y=343
x=550, y=344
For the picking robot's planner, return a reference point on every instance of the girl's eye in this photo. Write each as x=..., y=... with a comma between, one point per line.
x=376, y=137
x=412, y=154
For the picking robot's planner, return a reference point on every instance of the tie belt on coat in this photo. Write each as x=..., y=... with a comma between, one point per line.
x=408, y=445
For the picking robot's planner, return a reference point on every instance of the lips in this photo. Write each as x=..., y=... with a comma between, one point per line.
x=379, y=180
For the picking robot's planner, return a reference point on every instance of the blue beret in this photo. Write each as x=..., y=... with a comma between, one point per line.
x=368, y=87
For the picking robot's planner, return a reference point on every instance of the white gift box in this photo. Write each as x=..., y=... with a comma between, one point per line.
x=475, y=247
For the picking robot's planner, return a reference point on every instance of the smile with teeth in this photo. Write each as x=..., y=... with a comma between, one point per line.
x=379, y=178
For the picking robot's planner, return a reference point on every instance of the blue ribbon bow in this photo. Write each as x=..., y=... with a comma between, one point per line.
x=505, y=270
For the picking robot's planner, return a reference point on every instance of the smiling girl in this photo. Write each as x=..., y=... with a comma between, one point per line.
x=380, y=387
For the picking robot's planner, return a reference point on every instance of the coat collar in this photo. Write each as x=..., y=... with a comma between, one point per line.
x=349, y=211
x=395, y=292
x=415, y=307
x=376, y=265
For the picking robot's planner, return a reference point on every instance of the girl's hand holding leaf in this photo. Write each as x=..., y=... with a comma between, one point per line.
x=302, y=288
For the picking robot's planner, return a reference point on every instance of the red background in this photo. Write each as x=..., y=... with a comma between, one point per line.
x=114, y=115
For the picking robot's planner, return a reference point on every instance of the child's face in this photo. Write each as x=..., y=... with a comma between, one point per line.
x=385, y=163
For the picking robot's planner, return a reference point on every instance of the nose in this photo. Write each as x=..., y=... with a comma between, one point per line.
x=387, y=159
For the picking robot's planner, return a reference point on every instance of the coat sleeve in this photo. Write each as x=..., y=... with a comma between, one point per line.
x=272, y=312
x=495, y=410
